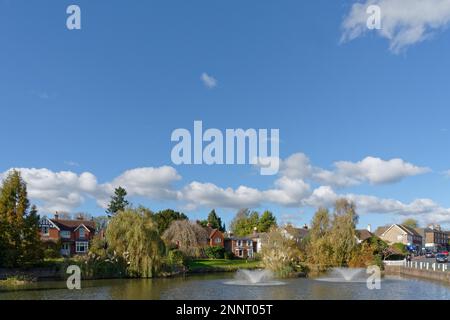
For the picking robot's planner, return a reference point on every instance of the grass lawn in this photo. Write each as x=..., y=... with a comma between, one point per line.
x=222, y=265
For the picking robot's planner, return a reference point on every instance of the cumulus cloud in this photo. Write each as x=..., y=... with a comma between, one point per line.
x=299, y=184
x=198, y=194
x=369, y=170
x=59, y=191
x=66, y=190
x=403, y=22
x=209, y=81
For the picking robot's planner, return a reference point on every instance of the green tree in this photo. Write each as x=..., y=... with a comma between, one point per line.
x=412, y=223
x=319, y=249
x=343, y=232
x=133, y=234
x=215, y=221
x=165, y=218
x=244, y=222
x=266, y=221
x=19, y=238
x=118, y=202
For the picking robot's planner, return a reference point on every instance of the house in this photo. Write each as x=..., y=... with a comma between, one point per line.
x=215, y=237
x=363, y=235
x=433, y=237
x=241, y=247
x=73, y=235
x=293, y=233
x=398, y=233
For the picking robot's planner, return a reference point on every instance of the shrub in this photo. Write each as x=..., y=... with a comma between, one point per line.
x=176, y=258
x=215, y=252
x=228, y=255
x=51, y=253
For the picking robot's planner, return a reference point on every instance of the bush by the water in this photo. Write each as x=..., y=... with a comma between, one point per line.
x=215, y=252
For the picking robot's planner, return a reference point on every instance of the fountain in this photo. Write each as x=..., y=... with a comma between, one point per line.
x=254, y=278
x=345, y=275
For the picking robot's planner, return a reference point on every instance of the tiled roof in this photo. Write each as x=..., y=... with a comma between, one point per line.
x=298, y=233
x=363, y=234
x=409, y=230
x=73, y=224
x=381, y=230
x=210, y=231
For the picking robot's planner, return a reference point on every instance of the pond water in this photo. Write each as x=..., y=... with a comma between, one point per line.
x=217, y=286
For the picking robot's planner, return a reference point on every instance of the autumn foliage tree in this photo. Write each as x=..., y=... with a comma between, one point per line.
x=189, y=237
x=20, y=244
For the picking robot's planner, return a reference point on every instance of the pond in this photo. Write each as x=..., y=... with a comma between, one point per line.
x=217, y=286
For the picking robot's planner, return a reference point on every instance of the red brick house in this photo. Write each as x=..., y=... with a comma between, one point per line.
x=73, y=235
x=241, y=247
x=215, y=237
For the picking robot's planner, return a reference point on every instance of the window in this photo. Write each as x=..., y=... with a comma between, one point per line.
x=81, y=247
x=240, y=252
x=239, y=243
x=82, y=232
x=249, y=243
x=218, y=240
x=45, y=230
x=65, y=234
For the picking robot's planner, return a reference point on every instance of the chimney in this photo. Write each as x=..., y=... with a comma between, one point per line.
x=369, y=228
x=80, y=217
x=305, y=227
x=56, y=215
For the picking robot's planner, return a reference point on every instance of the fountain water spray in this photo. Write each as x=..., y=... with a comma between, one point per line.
x=254, y=278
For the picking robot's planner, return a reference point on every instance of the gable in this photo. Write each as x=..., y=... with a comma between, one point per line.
x=394, y=228
x=46, y=222
x=82, y=225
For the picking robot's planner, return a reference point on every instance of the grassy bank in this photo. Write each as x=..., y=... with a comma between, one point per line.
x=221, y=265
x=14, y=282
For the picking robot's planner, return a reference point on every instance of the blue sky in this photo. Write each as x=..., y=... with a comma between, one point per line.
x=105, y=99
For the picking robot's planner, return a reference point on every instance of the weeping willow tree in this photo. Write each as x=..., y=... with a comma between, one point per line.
x=190, y=238
x=134, y=235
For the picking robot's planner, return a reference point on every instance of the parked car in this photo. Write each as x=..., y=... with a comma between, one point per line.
x=441, y=258
x=429, y=254
x=444, y=252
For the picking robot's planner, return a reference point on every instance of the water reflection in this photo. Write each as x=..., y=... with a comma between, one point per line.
x=213, y=287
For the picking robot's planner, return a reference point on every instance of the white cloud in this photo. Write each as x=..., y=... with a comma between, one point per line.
x=59, y=191
x=66, y=191
x=153, y=183
x=372, y=170
x=209, y=195
x=403, y=22
x=209, y=81
x=369, y=170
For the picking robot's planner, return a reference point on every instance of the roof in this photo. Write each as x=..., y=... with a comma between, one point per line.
x=364, y=234
x=210, y=231
x=381, y=230
x=73, y=224
x=298, y=233
x=240, y=238
x=409, y=230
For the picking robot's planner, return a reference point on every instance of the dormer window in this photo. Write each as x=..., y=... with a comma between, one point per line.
x=82, y=233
